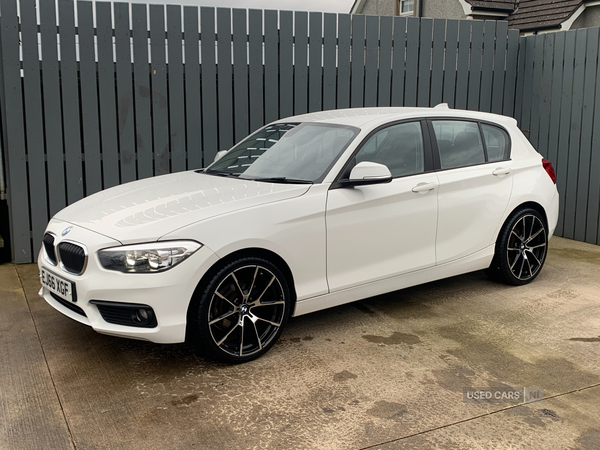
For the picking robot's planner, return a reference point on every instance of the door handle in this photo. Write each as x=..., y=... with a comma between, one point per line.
x=423, y=188
x=501, y=171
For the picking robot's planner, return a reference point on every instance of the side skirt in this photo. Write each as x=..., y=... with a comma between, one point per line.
x=471, y=263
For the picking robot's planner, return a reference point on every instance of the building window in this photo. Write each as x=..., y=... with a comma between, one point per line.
x=406, y=7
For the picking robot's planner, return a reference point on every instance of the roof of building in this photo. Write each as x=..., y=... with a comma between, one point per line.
x=541, y=14
x=356, y=5
x=496, y=5
x=525, y=15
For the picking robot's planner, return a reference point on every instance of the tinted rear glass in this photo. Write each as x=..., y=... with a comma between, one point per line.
x=459, y=143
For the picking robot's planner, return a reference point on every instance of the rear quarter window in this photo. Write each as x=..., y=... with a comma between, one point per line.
x=496, y=142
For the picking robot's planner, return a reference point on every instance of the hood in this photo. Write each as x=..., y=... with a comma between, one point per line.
x=147, y=209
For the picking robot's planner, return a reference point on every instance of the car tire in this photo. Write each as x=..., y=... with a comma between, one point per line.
x=521, y=248
x=242, y=310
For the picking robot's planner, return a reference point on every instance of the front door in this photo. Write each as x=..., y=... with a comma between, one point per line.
x=379, y=231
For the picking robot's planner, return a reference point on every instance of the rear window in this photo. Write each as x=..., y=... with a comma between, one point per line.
x=460, y=143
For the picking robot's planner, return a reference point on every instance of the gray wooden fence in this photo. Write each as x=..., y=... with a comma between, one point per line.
x=560, y=108
x=103, y=98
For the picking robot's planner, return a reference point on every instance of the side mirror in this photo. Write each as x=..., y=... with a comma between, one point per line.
x=219, y=155
x=368, y=172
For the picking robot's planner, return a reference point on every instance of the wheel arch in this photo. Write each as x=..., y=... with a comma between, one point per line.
x=246, y=252
x=530, y=204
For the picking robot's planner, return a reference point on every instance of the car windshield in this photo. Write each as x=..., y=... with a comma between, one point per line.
x=286, y=152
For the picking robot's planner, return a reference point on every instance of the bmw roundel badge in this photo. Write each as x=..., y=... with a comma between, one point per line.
x=66, y=231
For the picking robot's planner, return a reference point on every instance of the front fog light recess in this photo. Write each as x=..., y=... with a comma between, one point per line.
x=142, y=316
x=147, y=258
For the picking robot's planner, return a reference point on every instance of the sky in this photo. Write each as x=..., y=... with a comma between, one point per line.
x=338, y=6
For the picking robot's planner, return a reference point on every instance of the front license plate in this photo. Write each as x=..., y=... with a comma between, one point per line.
x=61, y=287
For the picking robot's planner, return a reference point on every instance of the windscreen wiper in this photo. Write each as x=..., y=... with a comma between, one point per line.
x=218, y=173
x=280, y=180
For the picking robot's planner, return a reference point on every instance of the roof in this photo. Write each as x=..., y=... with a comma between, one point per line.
x=542, y=14
x=373, y=116
x=356, y=5
x=496, y=5
x=357, y=117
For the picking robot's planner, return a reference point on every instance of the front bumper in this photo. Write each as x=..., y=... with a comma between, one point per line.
x=167, y=293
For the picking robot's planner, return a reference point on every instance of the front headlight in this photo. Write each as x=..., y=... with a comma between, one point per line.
x=147, y=258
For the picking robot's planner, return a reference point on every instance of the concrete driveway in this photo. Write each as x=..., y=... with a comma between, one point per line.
x=383, y=373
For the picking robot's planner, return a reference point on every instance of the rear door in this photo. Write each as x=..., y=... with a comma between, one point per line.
x=475, y=185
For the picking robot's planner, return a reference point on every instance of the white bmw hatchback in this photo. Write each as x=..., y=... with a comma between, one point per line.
x=307, y=213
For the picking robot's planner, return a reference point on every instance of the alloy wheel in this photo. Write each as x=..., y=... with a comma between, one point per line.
x=246, y=310
x=526, y=248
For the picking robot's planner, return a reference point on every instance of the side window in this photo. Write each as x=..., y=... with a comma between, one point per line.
x=399, y=147
x=496, y=142
x=459, y=143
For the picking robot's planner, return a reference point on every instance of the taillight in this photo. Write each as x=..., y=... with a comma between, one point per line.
x=549, y=169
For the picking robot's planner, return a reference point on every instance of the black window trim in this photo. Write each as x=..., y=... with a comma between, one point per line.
x=483, y=143
x=428, y=153
x=436, y=152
